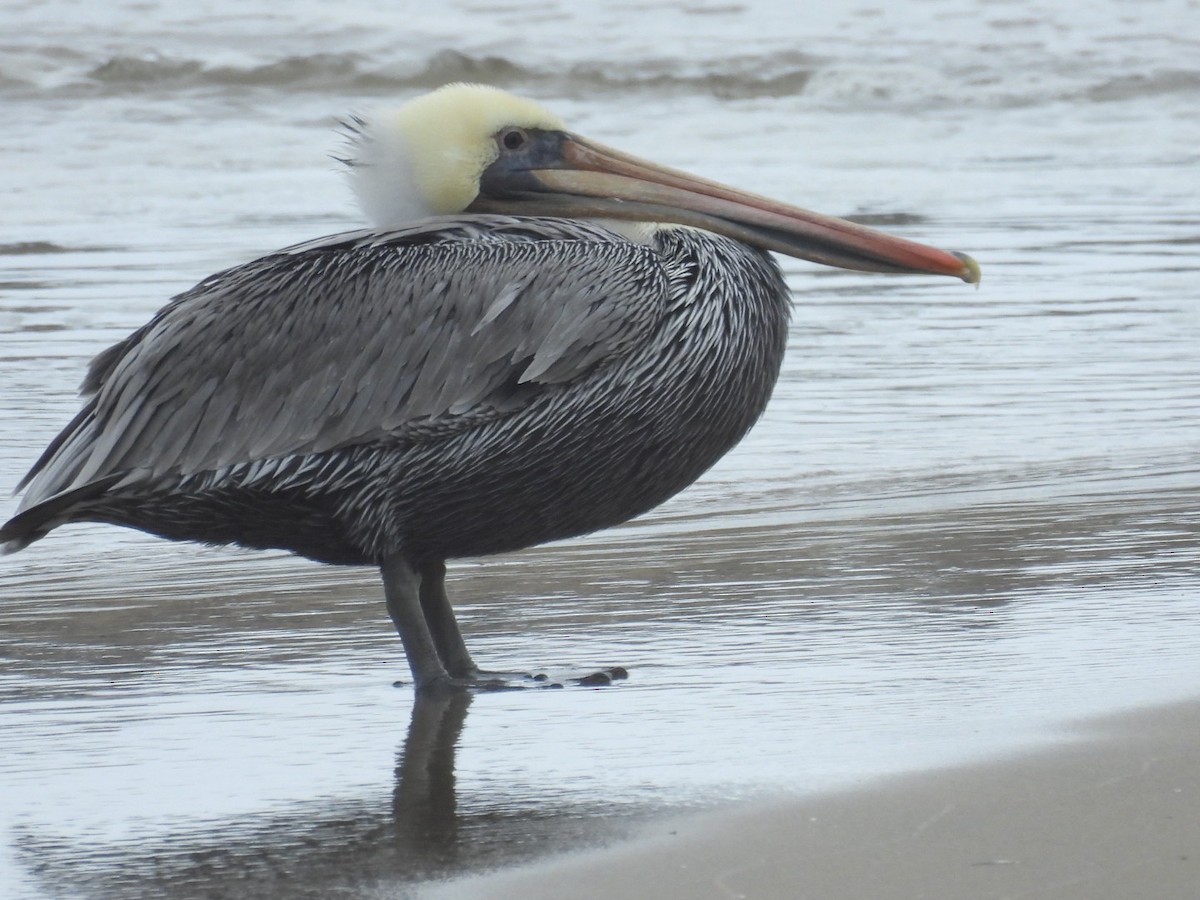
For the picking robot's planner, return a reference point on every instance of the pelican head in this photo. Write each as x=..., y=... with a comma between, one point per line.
x=470, y=148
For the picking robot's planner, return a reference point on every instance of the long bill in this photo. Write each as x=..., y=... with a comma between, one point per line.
x=587, y=179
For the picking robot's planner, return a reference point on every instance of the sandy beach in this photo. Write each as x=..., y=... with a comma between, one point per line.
x=1111, y=812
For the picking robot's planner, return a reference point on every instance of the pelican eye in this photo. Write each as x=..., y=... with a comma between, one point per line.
x=513, y=138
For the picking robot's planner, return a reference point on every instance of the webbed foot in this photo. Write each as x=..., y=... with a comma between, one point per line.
x=601, y=677
x=485, y=680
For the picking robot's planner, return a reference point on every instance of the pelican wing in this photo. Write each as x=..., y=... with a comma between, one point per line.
x=355, y=339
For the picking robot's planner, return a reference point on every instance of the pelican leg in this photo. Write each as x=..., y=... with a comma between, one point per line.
x=437, y=654
x=402, y=588
x=448, y=639
x=443, y=626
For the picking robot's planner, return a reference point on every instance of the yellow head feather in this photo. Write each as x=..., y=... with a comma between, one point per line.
x=426, y=158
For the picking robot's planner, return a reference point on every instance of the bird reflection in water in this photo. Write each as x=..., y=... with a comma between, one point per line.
x=424, y=804
x=359, y=846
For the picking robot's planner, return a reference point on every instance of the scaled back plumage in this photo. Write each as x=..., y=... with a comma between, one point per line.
x=450, y=309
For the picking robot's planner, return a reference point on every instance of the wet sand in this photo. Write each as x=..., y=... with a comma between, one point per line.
x=1113, y=812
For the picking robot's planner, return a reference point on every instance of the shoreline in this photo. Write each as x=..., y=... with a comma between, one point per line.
x=1112, y=810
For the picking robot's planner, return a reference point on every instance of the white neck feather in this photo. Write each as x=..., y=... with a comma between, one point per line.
x=381, y=174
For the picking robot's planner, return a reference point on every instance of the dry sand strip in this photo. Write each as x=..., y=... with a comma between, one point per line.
x=1114, y=815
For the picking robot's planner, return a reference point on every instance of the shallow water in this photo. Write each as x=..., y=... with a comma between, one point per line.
x=966, y=518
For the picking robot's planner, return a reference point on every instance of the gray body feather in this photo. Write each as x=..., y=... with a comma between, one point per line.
x=462, y=386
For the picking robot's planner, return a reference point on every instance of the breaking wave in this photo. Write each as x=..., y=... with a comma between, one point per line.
x=342, y=72
x=844, y=82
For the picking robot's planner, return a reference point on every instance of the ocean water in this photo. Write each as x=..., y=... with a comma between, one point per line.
x=968, y=518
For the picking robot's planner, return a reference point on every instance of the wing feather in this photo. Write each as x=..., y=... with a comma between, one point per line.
x=341, y=343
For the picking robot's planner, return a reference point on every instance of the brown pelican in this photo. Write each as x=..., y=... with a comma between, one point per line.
x=541, y=337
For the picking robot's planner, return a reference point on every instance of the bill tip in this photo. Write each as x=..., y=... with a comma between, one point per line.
x=971, y=272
